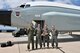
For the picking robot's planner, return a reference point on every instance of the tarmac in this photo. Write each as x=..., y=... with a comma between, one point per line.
x=67, y=44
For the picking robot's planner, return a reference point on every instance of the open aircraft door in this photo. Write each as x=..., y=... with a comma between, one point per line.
x=41, y=22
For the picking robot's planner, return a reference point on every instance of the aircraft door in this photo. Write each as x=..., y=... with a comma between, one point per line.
x=41, y=22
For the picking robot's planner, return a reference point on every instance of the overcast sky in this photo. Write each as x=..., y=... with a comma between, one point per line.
x=5, y=4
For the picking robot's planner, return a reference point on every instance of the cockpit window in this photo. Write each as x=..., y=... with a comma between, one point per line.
x=28, y=5
x=22, y=6
x=25, y=6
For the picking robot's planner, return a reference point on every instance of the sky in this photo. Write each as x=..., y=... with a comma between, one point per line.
x=9, y=4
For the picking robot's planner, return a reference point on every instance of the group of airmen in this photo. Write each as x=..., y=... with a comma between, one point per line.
x=42, y=36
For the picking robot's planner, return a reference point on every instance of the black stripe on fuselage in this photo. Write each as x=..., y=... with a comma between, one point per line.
x=5, y=17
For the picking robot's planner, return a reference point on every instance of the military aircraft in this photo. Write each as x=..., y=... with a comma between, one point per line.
x=65, y=17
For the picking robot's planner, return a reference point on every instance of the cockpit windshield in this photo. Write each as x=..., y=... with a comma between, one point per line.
x=25, y=6
x=22, y=6
x=28, y=5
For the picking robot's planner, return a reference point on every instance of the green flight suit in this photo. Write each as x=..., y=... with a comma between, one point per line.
x=54, y=38
x=31, y=37
x=38, y=38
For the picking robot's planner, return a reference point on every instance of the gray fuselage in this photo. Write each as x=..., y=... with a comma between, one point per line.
x=62, y=18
